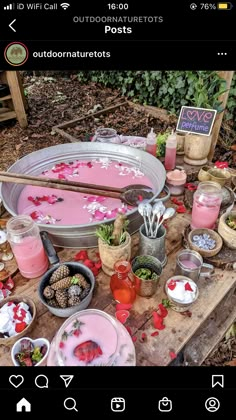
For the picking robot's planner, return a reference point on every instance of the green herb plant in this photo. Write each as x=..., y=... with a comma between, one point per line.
x=146, y=274
x=114, y=234
x=231, y=222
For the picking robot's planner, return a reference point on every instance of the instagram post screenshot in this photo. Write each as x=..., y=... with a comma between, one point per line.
x=117, y=209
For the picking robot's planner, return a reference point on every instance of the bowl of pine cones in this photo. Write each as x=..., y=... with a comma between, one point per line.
x=66, y=288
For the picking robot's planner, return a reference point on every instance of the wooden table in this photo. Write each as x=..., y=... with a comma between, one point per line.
x=191, y=338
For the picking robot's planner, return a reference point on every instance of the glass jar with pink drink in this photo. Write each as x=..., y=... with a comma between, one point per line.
x=206, y=205
x=23, y=235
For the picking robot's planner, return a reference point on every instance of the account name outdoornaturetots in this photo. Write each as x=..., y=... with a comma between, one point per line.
x=71, y=54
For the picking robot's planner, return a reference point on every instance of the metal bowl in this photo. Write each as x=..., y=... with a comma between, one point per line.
x=81, y=236
x=74, y=269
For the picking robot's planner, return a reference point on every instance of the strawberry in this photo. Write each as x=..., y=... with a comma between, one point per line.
x=27, y=361
x=87, y=351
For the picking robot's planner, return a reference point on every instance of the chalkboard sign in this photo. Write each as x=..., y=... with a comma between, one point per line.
x=196, y=120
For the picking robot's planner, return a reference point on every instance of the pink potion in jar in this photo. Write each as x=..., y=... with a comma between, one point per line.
x=27, y=247
x=206, y=205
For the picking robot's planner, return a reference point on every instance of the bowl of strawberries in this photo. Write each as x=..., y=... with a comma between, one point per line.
x=28, y=352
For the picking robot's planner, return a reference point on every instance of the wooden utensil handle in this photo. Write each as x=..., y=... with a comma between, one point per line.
x=56, y=183
x=63, y=182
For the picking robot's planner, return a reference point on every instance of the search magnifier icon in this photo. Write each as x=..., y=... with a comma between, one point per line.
x=70, y=404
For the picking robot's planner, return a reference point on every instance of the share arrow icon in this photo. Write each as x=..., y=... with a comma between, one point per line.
x=67, y=379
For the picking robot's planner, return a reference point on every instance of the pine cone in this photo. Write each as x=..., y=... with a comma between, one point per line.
x=48, y=292
x=62, y=284
x=73, y=300
x=82, y=281
x=60, y=273
x=53, y=303
x=74, y=290
x=84, y=293
x=62, y=298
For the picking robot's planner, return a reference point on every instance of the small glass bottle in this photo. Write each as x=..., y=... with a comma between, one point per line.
x=121, y=284
x=170, y=156
x=206, y=205
x=23, y=235
x=151, y=146
x=106, y=135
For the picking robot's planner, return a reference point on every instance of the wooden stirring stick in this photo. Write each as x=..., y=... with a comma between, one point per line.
x=60, y=184
x=130, y=194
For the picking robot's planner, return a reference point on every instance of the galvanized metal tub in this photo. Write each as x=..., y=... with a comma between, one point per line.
x=81, y=236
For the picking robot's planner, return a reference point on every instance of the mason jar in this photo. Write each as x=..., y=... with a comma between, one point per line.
x=106, y=135
x=27, y=247
x=206, y=205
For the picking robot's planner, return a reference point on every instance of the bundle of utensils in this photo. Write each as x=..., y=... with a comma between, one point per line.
x=154, y=216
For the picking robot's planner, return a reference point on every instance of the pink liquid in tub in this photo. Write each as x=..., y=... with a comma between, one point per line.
x=53, y=206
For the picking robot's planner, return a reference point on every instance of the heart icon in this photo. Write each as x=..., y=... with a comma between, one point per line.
x=16, y=380
x=191, y=115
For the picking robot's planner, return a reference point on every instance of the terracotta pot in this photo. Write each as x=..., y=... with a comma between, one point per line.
x=111, y=254
x=228, y=234
x=196, y=149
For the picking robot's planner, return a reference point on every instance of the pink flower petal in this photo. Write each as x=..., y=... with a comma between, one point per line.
x=99, y=215
x=173, y=355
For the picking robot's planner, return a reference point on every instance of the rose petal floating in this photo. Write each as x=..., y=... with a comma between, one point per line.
x=99, y=215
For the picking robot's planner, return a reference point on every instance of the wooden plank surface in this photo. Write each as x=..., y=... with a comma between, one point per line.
x=179, y=329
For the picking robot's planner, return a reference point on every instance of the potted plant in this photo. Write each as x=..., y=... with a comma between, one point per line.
x=227, y=229
x=207, y=89
x=114, y=243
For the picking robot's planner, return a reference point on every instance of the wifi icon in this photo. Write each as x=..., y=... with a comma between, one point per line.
x=65, y=5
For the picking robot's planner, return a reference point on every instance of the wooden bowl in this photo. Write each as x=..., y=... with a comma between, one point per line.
x=204, y=252
x=17, y=299
x=228, y=234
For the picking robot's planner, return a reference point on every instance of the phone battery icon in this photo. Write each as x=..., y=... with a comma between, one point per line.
x=224, y=6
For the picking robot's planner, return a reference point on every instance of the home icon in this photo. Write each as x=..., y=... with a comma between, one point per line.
x=23, y=405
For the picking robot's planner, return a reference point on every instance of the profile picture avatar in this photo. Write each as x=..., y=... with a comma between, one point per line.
x=16, y=53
